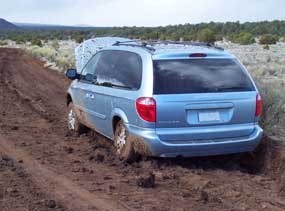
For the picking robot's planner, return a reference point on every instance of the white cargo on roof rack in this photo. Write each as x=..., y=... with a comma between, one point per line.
x=88, y=48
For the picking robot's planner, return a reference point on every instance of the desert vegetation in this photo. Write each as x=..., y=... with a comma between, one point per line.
x=3, y=43
x=235, y=31
x=243, y=38
x=207, y=35
x=58, y=55
x=268, y=39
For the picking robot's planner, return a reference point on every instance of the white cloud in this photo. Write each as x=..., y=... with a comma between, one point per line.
x=140, y=12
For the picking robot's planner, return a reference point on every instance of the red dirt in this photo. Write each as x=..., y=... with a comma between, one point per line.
x=43, y=168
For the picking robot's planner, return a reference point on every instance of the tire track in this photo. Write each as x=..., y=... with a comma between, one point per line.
x=68, y=193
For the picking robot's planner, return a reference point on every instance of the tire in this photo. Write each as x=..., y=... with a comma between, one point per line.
x=124, y=147
x=73, y=123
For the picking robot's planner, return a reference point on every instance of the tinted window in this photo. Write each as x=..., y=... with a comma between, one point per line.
x=91, y=65
x=119, y=69
x=200, y=76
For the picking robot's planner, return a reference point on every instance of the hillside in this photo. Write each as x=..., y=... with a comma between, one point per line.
x=37, y=26
x=7, y=25
x=233, y=31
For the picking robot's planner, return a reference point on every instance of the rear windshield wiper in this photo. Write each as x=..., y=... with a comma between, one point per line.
x=238, y=88
x=108, y=84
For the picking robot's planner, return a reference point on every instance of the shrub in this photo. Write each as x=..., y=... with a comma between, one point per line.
x=3, y=43
x=79, y=38
x=206, y=35
x=64, y=63
x=57, y=59
x=268, y=39
x=174, y=37
x=219, y=37
x=266, y=47
x=55, y=44
x=39, y=52
x=273, y=96
x=188, y=37
x=20, y=41
x=243, y=38
x=37, y=42
x=162, y=37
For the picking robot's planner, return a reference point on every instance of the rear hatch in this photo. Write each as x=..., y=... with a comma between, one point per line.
x=203, y=98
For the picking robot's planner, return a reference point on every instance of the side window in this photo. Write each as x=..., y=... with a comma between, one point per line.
x=119, y=69
x=105, y=68
x=91, y=65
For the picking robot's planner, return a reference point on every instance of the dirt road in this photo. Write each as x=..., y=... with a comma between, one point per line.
x=43, y=168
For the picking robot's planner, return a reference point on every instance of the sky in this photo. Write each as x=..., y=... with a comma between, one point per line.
x=139, y=12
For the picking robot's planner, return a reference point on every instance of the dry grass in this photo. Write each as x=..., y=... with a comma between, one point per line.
x=58, y=55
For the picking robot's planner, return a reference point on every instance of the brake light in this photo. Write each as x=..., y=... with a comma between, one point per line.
x=198, y=55
x=146, y=108
x=258, y=110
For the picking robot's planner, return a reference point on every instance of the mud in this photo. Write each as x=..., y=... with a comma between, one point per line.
x=42, y=167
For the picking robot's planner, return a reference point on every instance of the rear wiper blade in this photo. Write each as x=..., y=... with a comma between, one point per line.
x=232, y=88
x=124, y=87
x=108, y=84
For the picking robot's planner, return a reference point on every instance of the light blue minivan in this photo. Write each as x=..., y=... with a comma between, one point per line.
x=166, y=100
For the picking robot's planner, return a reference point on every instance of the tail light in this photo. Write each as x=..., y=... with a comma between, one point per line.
x=258, y=110
x=146, y=108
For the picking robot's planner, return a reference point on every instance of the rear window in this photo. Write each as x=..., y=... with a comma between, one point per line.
x=200, y=76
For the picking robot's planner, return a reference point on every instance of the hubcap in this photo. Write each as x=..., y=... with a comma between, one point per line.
x=71, y=120
x=121, y=139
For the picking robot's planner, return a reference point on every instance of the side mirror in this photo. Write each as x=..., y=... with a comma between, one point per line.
x=71, y=74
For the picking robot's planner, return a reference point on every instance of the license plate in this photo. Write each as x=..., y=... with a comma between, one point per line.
x=209, y=116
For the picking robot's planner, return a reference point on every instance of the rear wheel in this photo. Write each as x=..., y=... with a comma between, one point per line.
x=74, y=126
x=124, y=146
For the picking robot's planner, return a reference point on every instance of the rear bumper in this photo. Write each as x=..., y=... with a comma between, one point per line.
x=160, y=148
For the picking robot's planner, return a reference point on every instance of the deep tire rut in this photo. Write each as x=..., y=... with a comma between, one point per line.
x=72, y=196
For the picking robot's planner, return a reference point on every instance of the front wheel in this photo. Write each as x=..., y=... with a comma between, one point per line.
x=74, y=126
x=124, y=146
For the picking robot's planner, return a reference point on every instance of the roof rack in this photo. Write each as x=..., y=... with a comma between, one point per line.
x=149, y=45
x=135, y=43
x=190, y=43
